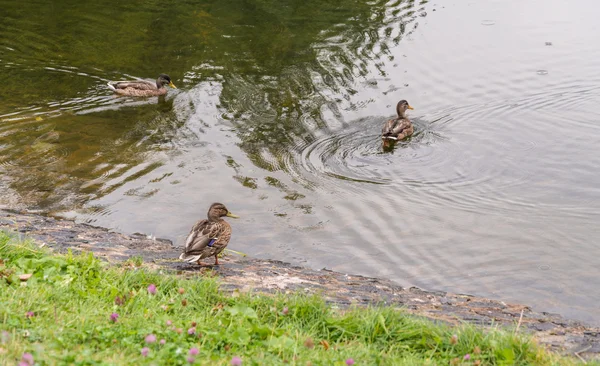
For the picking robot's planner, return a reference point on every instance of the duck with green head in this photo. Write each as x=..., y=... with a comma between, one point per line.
x=208, y=237
x=142, y=88
x=397, y=128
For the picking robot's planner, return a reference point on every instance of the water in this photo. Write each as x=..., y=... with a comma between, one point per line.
x=277, y=115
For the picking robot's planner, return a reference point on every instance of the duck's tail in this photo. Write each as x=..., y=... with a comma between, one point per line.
x=389, y=137
x=111, y=86
x=189, y=258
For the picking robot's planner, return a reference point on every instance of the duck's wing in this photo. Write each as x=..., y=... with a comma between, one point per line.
x=135, y=84
x=388, y=127
x=203, y=234
x=402, y=125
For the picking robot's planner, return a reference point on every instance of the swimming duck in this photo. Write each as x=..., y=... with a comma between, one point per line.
x=208, y=237
x=399, y=127
x=142, y=88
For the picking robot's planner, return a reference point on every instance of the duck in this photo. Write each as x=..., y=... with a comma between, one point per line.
x=208, y=237
x=400, y=127
x=142, y=88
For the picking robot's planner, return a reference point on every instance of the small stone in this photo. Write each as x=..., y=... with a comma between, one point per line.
x=25, y=277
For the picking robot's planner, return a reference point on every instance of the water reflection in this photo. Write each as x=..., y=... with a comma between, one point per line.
x=276, y=68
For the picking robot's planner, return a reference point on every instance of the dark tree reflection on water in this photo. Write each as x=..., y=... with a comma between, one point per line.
x=279, y=66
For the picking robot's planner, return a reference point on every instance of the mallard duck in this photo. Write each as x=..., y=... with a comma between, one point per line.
x=399, y=127
x=208, y=237
x=142, y=88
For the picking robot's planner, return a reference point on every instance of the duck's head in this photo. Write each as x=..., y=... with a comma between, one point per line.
x=164, y=79
x=218, y=210
x=402, y=107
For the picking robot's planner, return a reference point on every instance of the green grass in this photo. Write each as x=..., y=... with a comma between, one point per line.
x=71, y=299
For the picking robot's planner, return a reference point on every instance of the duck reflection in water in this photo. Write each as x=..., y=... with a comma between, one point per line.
x=397, y=128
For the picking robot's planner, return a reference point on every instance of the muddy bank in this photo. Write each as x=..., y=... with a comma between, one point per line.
x=270, y=276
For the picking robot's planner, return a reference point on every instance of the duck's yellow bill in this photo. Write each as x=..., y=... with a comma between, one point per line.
x=172, y=85
x=229, y=214
x=409, y=107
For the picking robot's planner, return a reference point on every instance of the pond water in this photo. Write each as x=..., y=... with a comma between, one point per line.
x=277, y=115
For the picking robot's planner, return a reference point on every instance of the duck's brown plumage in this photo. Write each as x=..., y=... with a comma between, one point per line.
x=400, y=127
x=208, y=237
x=142, y=88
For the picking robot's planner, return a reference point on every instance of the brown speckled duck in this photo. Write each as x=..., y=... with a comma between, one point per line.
x=399, y=127
x=142, y=88
x=208, y=237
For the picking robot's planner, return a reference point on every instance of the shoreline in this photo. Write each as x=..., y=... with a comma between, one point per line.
x=270, y=276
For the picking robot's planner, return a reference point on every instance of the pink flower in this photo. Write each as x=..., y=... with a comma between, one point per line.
x=114, y=317
x=27, y=359
x=191, y=359
x=145, y=351
x=4, y=337
x=152, y=289
x=169, y=322
x=467, y=357
x=236, y=361
x=192, y=331
x=194, y=351
x=285, y=311
x=350, y=362
x=30, y=314
x=150, y=338
x=162, y=342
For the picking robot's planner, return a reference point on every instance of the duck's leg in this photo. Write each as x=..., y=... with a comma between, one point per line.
x=199, y=263
x=216, y=260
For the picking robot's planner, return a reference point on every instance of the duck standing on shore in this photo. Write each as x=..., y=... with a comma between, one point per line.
x=208, y=237
x=142, y=88
x=397, y=128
